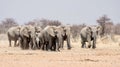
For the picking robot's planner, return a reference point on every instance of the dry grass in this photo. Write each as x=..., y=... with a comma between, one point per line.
x=105, y=55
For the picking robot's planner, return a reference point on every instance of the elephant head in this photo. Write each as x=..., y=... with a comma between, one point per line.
x=95, y=31
x=51, y=30
x=25, y=31
x=38, y=29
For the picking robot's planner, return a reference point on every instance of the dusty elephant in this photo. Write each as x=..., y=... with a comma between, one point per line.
x=89, y=34
x=48, y=38
x=28, y=37
x=38, y=37
x=65, y=32
x=13, y=35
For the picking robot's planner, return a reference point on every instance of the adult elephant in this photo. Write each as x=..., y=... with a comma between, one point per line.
x=28, y=37
x=65, y=33
x=13, y=35
x=89, y=34
x=48, y=38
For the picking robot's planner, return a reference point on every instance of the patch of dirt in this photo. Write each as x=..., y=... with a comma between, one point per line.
x=105, y=55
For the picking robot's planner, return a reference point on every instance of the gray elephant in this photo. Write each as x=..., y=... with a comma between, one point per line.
x=48, y=38
x=38, y=37
x=28, y=37
x=24, y=37
x=13, y=35
x=89, y=34
x=65, y=36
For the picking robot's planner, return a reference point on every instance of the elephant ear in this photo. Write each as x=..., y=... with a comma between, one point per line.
x=89, y=29
x=51, y=31
x=26, y=32
x=67, y=29
x=99, y=28
x=18, y=29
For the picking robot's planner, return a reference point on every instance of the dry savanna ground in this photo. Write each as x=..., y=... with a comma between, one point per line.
x=107, y=54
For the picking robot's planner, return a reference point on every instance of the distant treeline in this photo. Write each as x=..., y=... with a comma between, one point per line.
x=108, y=27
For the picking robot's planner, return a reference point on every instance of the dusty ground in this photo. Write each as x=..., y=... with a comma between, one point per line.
x=105, y=55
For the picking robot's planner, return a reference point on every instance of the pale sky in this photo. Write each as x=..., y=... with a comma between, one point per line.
x=66, y=11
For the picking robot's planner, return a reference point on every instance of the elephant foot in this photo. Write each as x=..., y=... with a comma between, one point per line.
x=33, y=48
x=15, y=45
x=82, y=46
x=9, y=45
x=69, y=48
x=89, y=46
x=58, y=50
x=94, y=47
x=62, y=48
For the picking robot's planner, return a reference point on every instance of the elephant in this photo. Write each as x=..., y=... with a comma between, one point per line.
x=13, y=35
x=65, y=33
x=24, y=37
x=89, y=34
x=28, y=37
x=39, y=40
x=38, y=37
x=48, y=38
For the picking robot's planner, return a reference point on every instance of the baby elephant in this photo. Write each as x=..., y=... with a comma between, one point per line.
x=89, y=34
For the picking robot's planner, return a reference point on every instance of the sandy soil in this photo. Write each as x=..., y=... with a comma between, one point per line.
x=105, y=55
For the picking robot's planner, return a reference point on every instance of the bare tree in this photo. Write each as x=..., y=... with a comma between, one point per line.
x=109, y=26
x=75, y=30
x=102, y=21
x=6, y=24
x=46, y=22
x=31, y=23
x=117, y=29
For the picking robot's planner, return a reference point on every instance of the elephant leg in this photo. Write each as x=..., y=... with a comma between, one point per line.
x=47, y=46
x=83, y=44
x=89, y=46
x=68, y=43
x=9, y=43
x=57, y=45
x=34, y=46
x=21, y=43
x=26, y=44
x=38, y=45
x=51, y=44
x=54, y=45
x=94, y=44
x=15, y=43
x=43, y=46
x=62, y=45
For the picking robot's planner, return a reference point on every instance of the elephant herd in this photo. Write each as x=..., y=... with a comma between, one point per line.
x=33, y=37
x=50, y=38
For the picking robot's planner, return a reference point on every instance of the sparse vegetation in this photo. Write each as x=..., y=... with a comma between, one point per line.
x=108, y=27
